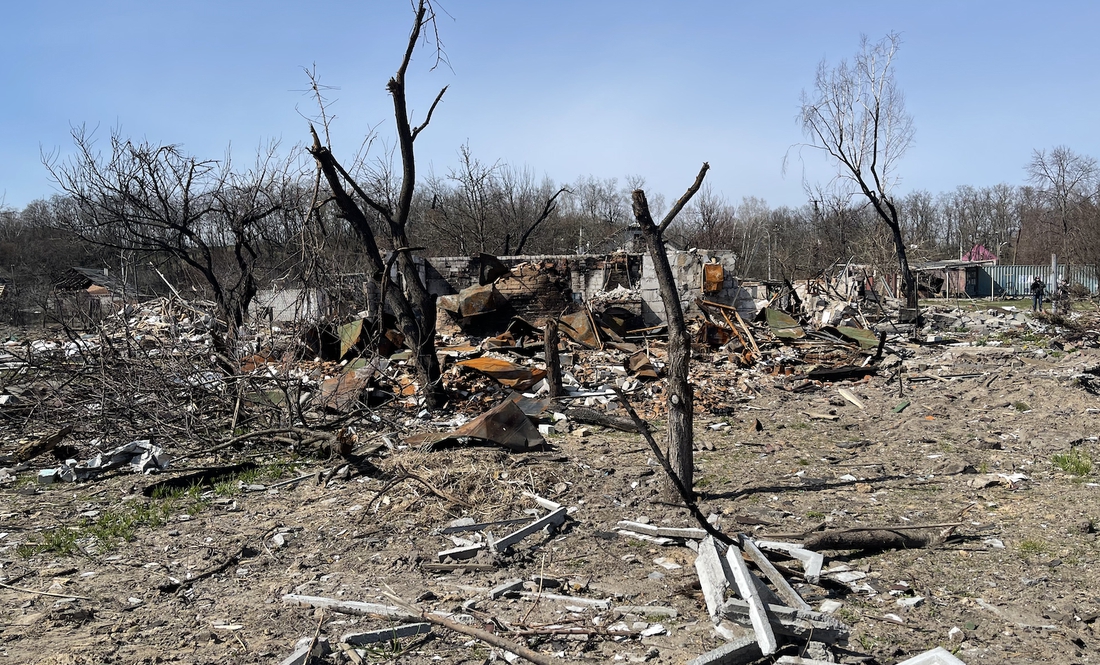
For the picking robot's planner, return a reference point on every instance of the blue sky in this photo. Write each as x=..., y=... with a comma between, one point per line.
x=567, y=87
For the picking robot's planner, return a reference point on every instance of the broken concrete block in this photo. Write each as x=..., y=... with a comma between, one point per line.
x=353, y=607
x=811, y=561
x=387, y=634
x=461, y=553
x=505, y=588
x=937, y=656
x=747, y=588
x=713, y=576
x=743, y=650
x=795, y=660
x=647, y=610
x=553, y=519
x=663, y=531
x=303, y=654
x=787, y=621
x=785, y=591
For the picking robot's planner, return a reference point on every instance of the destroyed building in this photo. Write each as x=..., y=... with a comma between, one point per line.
x=542, y=286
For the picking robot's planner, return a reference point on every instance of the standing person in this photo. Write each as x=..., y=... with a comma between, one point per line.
x=1061, y=297
x=1037, y=288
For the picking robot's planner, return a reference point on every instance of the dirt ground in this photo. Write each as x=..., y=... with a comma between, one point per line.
x=1018, y=580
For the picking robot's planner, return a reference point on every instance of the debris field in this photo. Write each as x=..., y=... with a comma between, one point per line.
x=866, y=492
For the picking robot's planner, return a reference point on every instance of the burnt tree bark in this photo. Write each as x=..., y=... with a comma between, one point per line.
x=553, y=362
x=412, y=305
x=680, y=394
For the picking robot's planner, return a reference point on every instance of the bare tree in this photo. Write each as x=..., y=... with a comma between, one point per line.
x=412, y=305
x=856, y=115
x=159, y=200
x=1067, y=180
x=680, y=394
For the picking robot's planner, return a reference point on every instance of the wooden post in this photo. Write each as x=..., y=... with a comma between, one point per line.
x=553, y=362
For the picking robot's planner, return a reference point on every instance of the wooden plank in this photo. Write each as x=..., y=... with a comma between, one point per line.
x=784, y=590
x=765, y=637
x=387, y=634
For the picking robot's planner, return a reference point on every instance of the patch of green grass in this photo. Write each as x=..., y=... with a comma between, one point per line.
x=1022, y=406
x=394, y=648
x=1030, y=546
x=800, y=424
x=814, y=514
x=983, y=467
x=1075, y=462
x=120, y=524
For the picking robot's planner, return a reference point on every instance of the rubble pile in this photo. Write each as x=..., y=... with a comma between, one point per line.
x=153, y=388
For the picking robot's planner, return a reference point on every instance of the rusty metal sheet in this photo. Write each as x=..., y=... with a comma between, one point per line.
x=491, y=269
x=532, y=407
x=505, y=425
x=783, y=325
x=349, y=335
x=579, y=328
x=640, y=364
x=865, y=338
x=342, y=393
x=507, y=373
x=714, y=277
x=473, y=300
x=712, y=335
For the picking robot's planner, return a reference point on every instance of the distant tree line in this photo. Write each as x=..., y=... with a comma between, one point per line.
x=126, y=213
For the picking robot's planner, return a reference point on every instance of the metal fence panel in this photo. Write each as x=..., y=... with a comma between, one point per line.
x=1015, y=281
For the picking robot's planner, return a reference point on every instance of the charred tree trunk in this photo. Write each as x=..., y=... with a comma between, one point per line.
x=553, y=362
x=419, y=331
x=680, y=394
x=413, y=306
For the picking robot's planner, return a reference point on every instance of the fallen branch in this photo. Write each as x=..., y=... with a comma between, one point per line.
x=43, y=445
x=406, y=475
x=643, y=429
x=43, y=593
x=882, y=538
x=484, y=636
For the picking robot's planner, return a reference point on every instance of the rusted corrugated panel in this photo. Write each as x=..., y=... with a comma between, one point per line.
x=505, y=425
x=579, y=328
x=473, y=300
x=342, y=393
x=714, y=277
x=783, y=325
x=506, y=373
x=640, y=365
x=865, y=338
